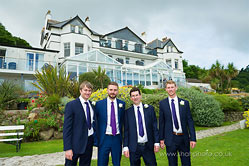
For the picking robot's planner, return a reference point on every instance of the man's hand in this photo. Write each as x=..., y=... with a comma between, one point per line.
x=156, y=148
x=69, y=154
x=192, y=144
x=162, y=145
x=127, y=154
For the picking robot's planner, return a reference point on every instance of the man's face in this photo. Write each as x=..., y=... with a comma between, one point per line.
x=112, y=91
x=136, y=97
x=85, y=93
x=171, y=89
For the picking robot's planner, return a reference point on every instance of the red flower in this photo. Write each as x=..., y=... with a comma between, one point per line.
x=33, y=101
x=25, y=108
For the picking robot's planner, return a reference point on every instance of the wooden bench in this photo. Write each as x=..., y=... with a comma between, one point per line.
x=15, y=132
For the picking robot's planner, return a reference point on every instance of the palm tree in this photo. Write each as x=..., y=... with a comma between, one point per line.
x=217, y=72
x=53, y=81
x=100, y=76
x=231, y=72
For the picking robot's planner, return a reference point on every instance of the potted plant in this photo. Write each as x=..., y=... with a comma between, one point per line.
x=22, y=103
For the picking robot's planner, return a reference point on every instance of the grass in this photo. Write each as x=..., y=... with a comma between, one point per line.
x=227, y=149
x=31, y=148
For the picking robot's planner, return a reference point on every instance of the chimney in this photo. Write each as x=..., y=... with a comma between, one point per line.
x=143, y=36
x=87, y=22
x=48, y=16
x=164, y=39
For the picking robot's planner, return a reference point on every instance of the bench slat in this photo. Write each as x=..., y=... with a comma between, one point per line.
x=17, y=127
x=10, y=134
x=11, y=139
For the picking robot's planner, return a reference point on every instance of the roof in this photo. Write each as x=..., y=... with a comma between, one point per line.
x=125, y=30
x=160, y=44
x=57, y=24
x=30, y=48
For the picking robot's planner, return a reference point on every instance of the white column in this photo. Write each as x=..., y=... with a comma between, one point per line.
x=150, y=76
x=77, y=76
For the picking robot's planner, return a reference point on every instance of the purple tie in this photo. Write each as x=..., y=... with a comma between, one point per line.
x=88, y=115
x=113, y=119
x=140, y=122
x=174, y=114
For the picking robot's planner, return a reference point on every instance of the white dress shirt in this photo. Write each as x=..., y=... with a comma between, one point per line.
x=177, y=114
x=140, y=139
x=108, y=126
x=90, y=132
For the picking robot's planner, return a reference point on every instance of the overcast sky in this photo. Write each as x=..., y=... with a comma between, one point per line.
x=205, y=30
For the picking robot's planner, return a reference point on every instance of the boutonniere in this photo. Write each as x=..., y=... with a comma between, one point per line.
x=93, y=103
x=120, y=105
x=181, y=102
x=146, y=105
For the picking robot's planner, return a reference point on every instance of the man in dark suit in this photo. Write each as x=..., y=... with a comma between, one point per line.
x=176, y=127
x=110, y=117
x=141, y=136
x=78, y=129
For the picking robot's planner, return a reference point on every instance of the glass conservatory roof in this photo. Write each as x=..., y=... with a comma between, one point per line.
x=94, y=56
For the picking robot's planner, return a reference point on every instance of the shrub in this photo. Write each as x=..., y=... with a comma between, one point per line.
x=9, y=92
x=244, y=101
x=205, y=109
x=32, y=129
x=227, y=103
x=246, y=115
x=90, y=77
x=124, y=94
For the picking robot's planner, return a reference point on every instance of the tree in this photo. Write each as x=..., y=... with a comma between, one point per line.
x=6, y=38
x=243, y=79
x=99, y=76
x=231, y=72
x=53, y=81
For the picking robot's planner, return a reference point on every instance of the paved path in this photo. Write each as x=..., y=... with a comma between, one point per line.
x=58, y=158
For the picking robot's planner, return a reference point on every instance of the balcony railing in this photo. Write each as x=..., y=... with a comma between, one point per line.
x=23, y=64
x=120, y=45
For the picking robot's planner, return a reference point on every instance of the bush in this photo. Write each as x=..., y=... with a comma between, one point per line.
x=246, y=115
x=90, y=77
x=205, y=109
x=228, y=103
x=9, y=92
x=124, y=94
x=244, y=101
x=32, y=129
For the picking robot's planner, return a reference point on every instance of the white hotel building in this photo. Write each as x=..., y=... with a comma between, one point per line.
x=125, y=56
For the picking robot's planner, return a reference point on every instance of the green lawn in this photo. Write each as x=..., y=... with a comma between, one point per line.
x=227, y=149
x=31, y=148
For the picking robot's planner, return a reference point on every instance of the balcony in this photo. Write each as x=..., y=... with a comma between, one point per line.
x=23, y=65
x=126, y=46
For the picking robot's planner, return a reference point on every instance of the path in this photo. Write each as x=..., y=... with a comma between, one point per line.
x=53, y=159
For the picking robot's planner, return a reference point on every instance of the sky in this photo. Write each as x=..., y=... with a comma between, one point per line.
x=204, y=30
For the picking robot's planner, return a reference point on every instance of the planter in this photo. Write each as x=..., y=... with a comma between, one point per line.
x=22, y=106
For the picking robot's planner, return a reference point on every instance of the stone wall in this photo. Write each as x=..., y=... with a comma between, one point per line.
x=233, y=116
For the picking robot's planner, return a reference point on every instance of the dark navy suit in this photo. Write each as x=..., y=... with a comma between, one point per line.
x=108, y=143
x=131, y=136
x=75, y=132
x=173, y=142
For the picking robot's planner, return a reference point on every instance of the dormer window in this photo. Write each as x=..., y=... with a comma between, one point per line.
x=80, y=30
x=72, y=28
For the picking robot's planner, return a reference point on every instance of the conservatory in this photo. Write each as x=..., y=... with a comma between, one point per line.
x=153, y=75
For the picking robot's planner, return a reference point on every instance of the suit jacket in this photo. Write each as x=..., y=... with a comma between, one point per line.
x=130, y=128
x=101, y=117
x=75, y=129
x=166, y=125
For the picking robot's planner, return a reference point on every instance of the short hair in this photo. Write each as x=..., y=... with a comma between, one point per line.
x=86, y=84
x=112, y=83
x=170, y=82
x=134, y=89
